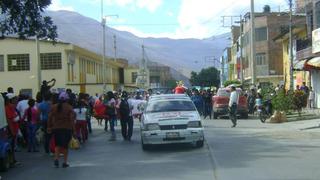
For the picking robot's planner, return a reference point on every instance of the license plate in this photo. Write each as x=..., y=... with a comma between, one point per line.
x=172, y=135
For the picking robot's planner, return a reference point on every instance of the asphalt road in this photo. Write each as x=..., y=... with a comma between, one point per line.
x=101, y=159
x=251, y=151
x=257, y=151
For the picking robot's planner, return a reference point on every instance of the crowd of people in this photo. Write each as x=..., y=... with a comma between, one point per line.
x=59, y=117
x=53, y=119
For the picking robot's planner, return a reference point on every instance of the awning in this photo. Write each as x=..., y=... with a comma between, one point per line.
x=299, y=66
x=314, y=62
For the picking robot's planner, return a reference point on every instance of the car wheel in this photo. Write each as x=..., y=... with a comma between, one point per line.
x=199, y=144
x=5, y=162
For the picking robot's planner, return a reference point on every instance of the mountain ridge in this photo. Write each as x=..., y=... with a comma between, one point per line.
x=179, y=54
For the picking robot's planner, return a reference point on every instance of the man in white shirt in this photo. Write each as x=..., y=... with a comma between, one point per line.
x=233, y=104
x=22, y=105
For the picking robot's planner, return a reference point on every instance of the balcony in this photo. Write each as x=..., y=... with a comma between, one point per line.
x=304, y=49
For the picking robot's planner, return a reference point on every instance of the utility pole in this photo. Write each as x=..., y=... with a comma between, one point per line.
x=291, y=47
x=222, y=70
x=38, y=63
x=142, y=75
x=253, y=44
x=103, y=23
x=241, y=49
x=115, y=47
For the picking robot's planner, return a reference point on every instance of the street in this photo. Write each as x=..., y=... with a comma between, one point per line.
x=252, y=150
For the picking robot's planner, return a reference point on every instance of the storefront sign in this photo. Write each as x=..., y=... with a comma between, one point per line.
x=316, y=41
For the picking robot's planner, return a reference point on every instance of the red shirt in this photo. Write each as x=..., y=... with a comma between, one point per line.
x=11, y=114
x=99, y=109
x=179, y=90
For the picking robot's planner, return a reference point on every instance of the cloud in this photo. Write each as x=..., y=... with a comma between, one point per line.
x=170, y=14
x=143, y=34
x=57, y=5
x=202, y=18
x=150, y=5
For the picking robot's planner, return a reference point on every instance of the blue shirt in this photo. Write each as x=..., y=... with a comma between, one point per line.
x=44, y=108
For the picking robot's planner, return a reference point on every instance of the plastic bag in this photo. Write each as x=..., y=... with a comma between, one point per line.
x=74, y=143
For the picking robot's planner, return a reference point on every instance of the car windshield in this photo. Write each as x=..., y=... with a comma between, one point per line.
x=165, y=106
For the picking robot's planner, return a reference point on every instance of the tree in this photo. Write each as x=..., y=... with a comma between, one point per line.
x=171, y=83
x=206, y=77
x=266, y=9
x=25, y=19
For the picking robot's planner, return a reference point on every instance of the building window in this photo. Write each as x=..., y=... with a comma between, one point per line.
x=134, y=76
x=50, y=61
x=317, y=14
x=261, y=34
x=261, y=59
x=1, y=63
x=18, y=62
x=310, y=22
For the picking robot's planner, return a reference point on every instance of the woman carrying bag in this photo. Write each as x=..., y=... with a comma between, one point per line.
x=110, y=104
x=61, y=125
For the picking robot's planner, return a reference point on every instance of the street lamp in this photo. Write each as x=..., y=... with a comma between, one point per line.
x=103, y=23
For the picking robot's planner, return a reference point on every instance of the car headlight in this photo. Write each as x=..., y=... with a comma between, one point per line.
x=151, y=127
x=194, y=124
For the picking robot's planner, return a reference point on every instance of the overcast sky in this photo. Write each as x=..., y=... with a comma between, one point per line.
x=167, y=18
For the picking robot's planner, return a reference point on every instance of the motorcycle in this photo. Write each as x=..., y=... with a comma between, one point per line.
x=265, y=111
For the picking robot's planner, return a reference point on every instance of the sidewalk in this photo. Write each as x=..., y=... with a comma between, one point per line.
x=256, y=125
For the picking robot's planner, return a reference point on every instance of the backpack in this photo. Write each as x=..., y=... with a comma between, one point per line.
x=124, y=108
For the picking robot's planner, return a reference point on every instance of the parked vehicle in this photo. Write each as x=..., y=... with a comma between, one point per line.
x=171, y=119
x=5, y=149
x=221, y=103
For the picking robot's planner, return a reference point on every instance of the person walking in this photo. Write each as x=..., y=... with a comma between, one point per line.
x=110, y=104
x=61, y=125
x=81, y=121
x=44, y=109
x=233, y=104
x=99, y=111
x=196, y=98
x=32, y=116
x=126, y=118
x=12, y=119
x=311, y=98
x=208, y=104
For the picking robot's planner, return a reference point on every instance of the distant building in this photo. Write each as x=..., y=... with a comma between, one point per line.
x=72, y=66
x=157, y=75
x=225, y=60
x=268, y=57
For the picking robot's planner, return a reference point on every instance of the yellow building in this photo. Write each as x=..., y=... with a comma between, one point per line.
x=72, y=66
x=130, y=78
x=299, y=75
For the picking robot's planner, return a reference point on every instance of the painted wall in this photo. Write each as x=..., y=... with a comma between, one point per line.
x=28, y=79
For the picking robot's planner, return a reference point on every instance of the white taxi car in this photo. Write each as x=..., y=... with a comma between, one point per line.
x=171, y=118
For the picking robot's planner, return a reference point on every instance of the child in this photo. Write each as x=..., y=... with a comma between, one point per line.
x=258, y=101
x=81, y=121
x=32, y=116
